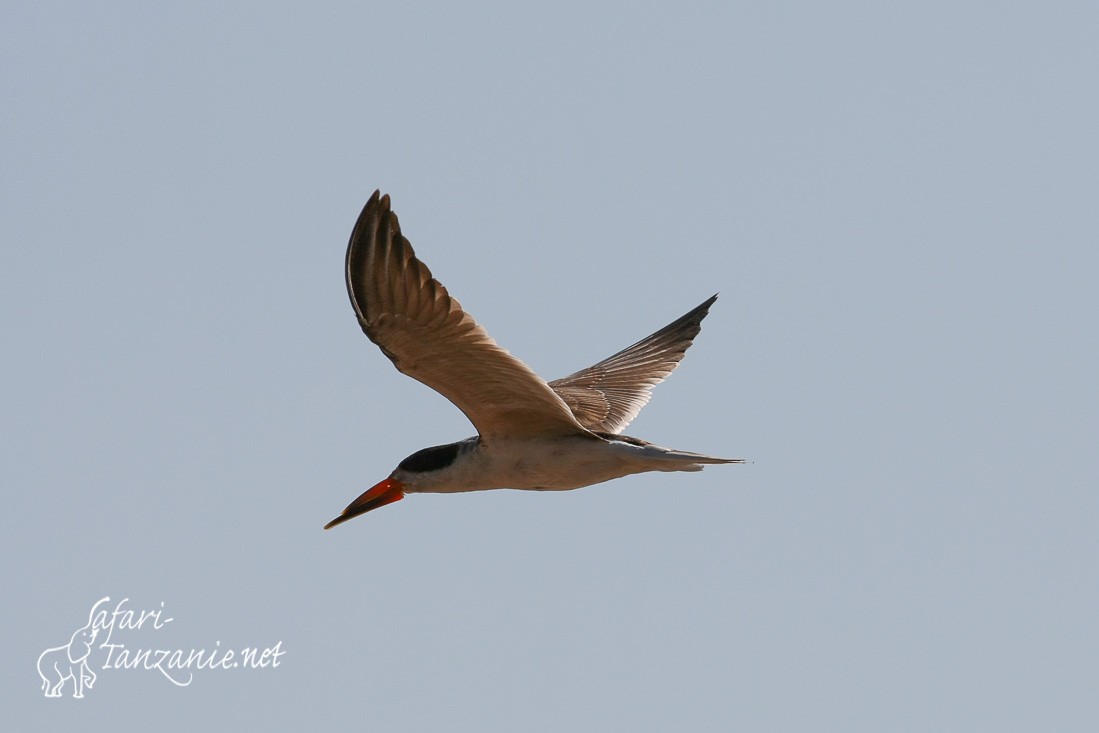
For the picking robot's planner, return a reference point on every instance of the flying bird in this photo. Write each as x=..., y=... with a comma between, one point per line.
x=531, y=434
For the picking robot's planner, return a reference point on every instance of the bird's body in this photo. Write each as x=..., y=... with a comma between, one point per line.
x=540, y=464
x=532, y=434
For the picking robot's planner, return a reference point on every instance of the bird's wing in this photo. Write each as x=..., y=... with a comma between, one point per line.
x=607, y=396
x=427, y=335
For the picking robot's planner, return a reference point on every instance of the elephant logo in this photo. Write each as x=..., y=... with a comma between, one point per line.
x=69, y=662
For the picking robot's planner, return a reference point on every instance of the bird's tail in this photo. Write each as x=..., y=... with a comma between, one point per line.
x=669, y=459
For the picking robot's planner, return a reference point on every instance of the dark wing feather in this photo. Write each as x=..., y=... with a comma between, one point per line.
x=607, y=396
x=427, y=335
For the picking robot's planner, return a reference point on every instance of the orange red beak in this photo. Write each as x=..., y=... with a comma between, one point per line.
x=385, y=492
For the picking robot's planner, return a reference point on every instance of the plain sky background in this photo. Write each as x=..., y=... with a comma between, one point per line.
x=897, y=203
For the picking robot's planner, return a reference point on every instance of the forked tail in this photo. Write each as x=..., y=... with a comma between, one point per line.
x=682, y=460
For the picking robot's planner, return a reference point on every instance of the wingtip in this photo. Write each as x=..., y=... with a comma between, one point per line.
x=376, y=200
x=380, y=206
x=702, y=308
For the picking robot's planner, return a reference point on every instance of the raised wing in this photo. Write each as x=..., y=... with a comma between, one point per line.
x=607, y=396
x=427, y=335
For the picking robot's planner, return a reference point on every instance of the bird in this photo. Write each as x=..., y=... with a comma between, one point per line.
x=531, y=434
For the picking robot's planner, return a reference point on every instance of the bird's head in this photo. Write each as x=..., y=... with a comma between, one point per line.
x=421, y=471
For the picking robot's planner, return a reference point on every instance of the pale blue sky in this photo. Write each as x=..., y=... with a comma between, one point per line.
x=896, y=203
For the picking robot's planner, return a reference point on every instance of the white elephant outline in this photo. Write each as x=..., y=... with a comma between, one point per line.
x=69, y=661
